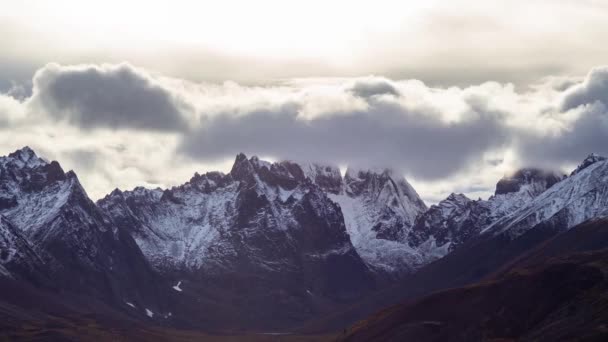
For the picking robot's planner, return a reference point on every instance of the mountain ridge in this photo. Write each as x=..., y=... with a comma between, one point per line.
x=271, y=245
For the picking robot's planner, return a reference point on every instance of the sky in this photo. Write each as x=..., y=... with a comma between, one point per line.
x=453, y=94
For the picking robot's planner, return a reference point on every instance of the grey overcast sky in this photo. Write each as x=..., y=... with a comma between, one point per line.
x=452, y=93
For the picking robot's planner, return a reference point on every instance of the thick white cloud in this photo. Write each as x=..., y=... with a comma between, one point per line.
x=593, y=89
x=384, y=134
x=457, y=42
x=11, y=111
x=581, y=124
x=121, y=126
x=114, y=96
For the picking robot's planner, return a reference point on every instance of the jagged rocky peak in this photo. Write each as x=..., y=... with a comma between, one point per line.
x=454, y=198
x=453, y=203
x=286, y=174
x=445, y=225
x=242, y=168
x=28, y=172
x=356, y=182
x=355, y=173
x=357, y=178
x=24, y=175
x=23, y=158
x=538, y=179
x=208, y=181
x=115, y=192
x=591, y=159
x=243, y=165
x=24, y=154
x=575, y=199
x=456, y=219
x=327, y=177
x=378, y=181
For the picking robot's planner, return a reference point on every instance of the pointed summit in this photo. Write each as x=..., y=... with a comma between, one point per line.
x=26, y=157
x=591, y=159
x=25, y=152
x=457, y=197
x=240, y=157
x=365, y=173
x=375, y=181
x=327, y=177
x=241, y=168
x=527, y=176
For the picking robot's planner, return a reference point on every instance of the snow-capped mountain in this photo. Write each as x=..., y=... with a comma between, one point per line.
x=581, y=196
x=448, y=223
x=591, y=159
x=215, y=221
x=379, y=208
x=263, y=230
x=457, y=219
x=266, y=245
x=17, y=257
x=187, y=226
x=47, y=220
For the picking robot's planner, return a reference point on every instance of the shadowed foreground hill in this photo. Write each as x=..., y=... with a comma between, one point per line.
x=553, y=293
x=31, y=314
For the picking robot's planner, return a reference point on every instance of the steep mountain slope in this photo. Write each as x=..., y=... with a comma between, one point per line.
x=17, y=257
x=379, y=209
x=263, y=238
x=271, y=245
x=49, y=221
x=457, y=219
x=581, y=196
x=547, y=294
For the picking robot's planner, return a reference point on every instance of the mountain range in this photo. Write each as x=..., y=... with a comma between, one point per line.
x=297, y=247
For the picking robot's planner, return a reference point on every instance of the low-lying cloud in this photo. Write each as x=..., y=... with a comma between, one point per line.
x=587, y=134
x=438, y=136
x=386, y=134
x=593, y=89
x=112, y=96
x=584, y=110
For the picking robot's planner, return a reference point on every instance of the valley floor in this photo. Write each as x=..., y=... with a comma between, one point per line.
x=90, y=329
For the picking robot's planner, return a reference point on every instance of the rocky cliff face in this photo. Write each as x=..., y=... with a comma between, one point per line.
x=264, y=234
x=266, y=246
x=581, y=196
x=533, y=181
x=379, y=209
x=187, y=227
x=50, y=224
x=17, y=256
x=457, y=219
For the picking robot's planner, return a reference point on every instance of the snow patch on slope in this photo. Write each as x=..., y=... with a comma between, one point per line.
x=176, y=286
x=386, y=255
x=582, y=196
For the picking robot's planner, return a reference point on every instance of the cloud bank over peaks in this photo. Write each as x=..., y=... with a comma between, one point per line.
x=593, y=89
x=458, y=137
x=583, y=118
x=112, y=96
x=385, y=133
